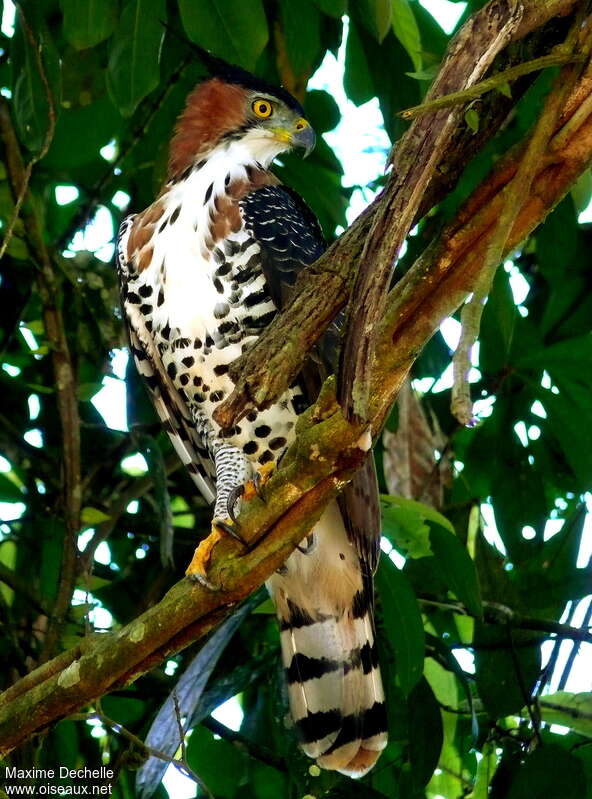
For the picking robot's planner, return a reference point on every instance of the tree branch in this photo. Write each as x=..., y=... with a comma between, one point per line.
x=263, y=373
x=245, y=744
x=494, y=613
x=415, y=160
x=65, y=381
x=180, y=763
x=28, y=170
x=461, y=405
x=327, y=450
x=497, y=81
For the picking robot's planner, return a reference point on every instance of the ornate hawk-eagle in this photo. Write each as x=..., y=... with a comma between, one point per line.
x=203, y=271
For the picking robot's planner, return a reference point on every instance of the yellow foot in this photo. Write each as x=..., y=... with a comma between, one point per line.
x=263, y=475
x=200, y=562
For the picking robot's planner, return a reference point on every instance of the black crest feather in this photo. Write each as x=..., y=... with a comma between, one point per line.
x=230, y=73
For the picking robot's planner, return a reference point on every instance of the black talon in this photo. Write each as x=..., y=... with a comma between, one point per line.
x=233, y=498
x=259, y=487
x=232, y=531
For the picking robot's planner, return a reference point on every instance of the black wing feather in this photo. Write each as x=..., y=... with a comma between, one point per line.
x=290, y=238
x=288, y=233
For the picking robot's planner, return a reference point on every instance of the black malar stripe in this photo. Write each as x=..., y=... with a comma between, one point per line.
x=316, y=726
x=303, y=668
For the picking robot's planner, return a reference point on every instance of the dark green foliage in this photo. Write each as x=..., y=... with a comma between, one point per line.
x=103, y=71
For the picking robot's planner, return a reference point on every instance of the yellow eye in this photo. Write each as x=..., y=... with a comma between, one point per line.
x=262, y=108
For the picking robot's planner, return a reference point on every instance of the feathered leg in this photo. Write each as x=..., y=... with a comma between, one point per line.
x=231, y=471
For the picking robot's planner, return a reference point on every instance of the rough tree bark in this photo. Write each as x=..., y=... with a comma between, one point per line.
x=328, y=447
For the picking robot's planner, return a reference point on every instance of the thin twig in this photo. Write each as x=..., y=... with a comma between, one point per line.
x=133, y=489
x=14, y=581
x=51, y=114
x=472, y=311
x=180, y=764
x=82, y=217
x=180, y=729
x=64, y=377
x=415, y=160
x=574, y=650
x=245, y=744
x=495, y=82
x=530, y=702
x=494, y=613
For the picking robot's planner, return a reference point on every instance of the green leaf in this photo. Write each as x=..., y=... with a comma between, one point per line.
x=403, y=624
x=376, y=16
x=428, y=74
x=425, y=734
x=266, y=608
x=549, y=772
x=301, y=24
x=124, y=709
x=457, y=569
x=443, y=684
x=333, y=8
x=86, y=391
x=507, y=666
x=78, y=612
x=505, y=89
x=485, y=771
x=51, y=538
x=566, y=412
x=407, y=523
x=472, y=119
x=564, y=359
x=88, y=22
x=133, y=68
x=497, y=327
x=9, y=489
x=91, y=516
x=233, y=29
x=322, y=109
x=8, y=555
x=407, y=31
x=569, y=710
x=30, y=100
x=581, y=191
x=219, y=764
x=357, y=79
x=265, y=782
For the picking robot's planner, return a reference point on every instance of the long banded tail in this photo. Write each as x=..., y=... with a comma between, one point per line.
x=324, y=606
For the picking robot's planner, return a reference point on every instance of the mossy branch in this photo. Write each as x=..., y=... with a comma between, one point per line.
x=263, y=373
x=328, y=448
x=461, y=405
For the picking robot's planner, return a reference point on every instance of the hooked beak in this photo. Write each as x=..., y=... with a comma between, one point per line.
x=304, y=136
x=300, y=135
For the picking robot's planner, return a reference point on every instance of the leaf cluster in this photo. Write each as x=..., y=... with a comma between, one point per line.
x=471, y=724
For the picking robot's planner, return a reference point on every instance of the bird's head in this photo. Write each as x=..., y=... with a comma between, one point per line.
x=237, y=106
